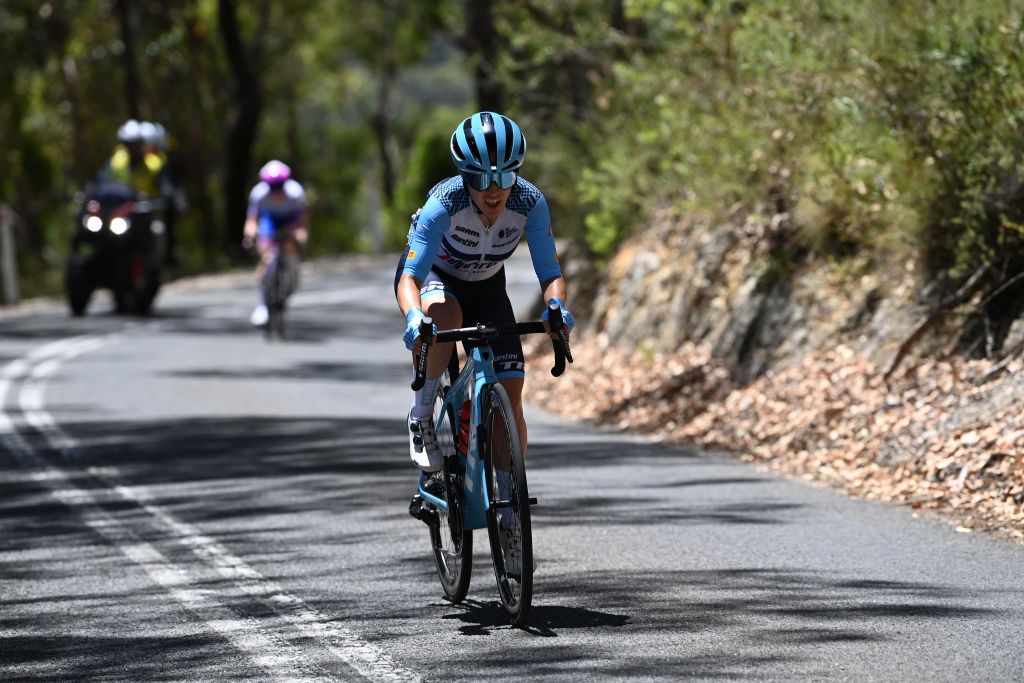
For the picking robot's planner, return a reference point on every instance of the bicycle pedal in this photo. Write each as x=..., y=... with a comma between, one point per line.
x=418, y=510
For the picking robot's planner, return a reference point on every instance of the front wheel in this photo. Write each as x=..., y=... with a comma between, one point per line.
x=452, y=543
x=148, y=292
x=77, y=287
x=278, y=283
x=508, y=517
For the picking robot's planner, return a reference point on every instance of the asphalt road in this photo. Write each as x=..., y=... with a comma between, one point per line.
x=181, y=500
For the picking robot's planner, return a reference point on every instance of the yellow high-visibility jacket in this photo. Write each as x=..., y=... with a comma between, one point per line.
x=144, y=177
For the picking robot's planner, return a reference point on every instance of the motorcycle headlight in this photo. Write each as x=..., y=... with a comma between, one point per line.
x=119, y=226
x=93, y=223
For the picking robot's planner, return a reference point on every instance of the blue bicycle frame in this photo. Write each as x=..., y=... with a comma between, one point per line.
x=479, y=371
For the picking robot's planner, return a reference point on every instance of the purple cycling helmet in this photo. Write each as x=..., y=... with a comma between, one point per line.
x=275, y=172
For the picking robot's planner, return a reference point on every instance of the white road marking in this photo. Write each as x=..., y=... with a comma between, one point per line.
x=301, y=299
x=278, y=657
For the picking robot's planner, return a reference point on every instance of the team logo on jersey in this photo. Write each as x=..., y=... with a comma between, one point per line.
x=457, y=264
x=463, y=240
x=411, y=254
x=502, y=245
x=468, y=231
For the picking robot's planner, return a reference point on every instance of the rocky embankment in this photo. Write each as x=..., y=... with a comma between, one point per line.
x=699, y=337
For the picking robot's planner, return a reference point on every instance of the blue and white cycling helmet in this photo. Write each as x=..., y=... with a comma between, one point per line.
x=488, y=148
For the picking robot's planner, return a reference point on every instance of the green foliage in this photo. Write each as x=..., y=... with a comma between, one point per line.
x=322, y=66
x=875, y=125
x=957, y=100
x=872, y=126
x=429, y=162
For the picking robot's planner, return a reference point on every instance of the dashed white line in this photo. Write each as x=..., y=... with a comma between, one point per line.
x=279, y=657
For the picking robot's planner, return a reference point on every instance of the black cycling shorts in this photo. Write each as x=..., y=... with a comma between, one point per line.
x=482, y=301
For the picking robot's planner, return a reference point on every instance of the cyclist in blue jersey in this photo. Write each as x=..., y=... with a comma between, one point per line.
x=276, y=219
x=452, y=269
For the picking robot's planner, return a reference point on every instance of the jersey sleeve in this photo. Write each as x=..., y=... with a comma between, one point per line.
x=542, y=242
x=254, y=201
x=425, y=238
x=297, y=192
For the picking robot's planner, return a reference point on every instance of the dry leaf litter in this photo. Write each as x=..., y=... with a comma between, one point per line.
x=942, y=435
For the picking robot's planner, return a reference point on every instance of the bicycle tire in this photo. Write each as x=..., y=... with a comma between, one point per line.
x=515, y=589
x=273, y=286
x=451, y=542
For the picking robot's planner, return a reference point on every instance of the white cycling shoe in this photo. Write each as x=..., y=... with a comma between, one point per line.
x=259, y=316
x=423, y=444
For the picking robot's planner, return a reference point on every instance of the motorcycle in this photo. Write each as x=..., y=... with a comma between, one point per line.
x=119, y=243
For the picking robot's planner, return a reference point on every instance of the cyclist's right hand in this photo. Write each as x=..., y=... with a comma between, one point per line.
x=248, y=243
x=567, y=319
x=412, y=327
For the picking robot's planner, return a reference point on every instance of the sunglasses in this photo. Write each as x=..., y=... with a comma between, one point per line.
x=482, y=181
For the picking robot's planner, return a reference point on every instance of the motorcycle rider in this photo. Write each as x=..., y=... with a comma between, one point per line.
x=132, y=164
x=155, y=142
x=276, y=219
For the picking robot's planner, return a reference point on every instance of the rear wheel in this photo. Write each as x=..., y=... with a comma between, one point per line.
x=451, y=541
x=508, y=518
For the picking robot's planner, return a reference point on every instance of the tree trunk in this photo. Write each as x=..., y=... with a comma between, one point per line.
x=193, y=154
x=382, y=126
x=292, y=136
x=481, y=41
x=132, y=87
x=244, y=123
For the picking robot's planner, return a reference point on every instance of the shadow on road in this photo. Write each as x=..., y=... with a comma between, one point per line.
x=792, y=613
x=389, y=374
x=481, y=618
x=254, y=475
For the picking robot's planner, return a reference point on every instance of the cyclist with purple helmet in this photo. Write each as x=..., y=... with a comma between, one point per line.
x=452, y=269
x=276, y=218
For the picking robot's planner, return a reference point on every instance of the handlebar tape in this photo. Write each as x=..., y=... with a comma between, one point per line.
x=426, y=336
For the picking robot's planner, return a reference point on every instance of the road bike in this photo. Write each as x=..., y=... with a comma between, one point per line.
x=483, y=469
x=280, y=280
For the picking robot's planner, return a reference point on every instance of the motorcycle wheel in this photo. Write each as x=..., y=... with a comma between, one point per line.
x=77, y=287
x=149, y=289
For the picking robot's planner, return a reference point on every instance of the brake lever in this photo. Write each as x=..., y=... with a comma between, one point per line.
x=563, y=333
x=560, y=346
x=426, y=337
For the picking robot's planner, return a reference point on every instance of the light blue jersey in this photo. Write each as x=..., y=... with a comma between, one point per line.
x=448, y=235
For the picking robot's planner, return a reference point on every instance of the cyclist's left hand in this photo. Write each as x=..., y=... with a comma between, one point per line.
x=567, y=318
x=412, y=327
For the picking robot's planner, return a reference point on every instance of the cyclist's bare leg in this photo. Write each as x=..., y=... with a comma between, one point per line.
x=266, y=251
x=446, y=314
x=289, y=245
